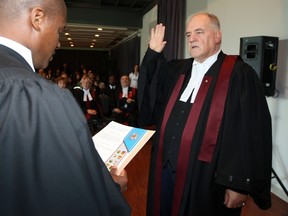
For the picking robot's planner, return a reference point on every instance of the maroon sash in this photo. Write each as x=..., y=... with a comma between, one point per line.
x=188, y=133
x=216, y=110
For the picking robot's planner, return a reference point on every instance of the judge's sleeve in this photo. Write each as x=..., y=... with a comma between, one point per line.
x=245, y=141
x=150, y=84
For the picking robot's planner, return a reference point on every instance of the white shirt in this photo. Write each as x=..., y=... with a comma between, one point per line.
x=125, y=92
x=87, y=95
x=112, y=86
x=19, y=48
x=134, y=80
x=198, y=72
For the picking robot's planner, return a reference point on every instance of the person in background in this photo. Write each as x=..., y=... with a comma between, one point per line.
x=111, y=90
x=125, y=111
x=41, y=72
x=76, y=79
x=133, y=76
x=89, y=102
x=104, y=99
x=49, y=75
x=49, y=165
x=61, y=82
x=213, y=143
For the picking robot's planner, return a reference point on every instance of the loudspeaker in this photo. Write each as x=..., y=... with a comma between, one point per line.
x=260, y=52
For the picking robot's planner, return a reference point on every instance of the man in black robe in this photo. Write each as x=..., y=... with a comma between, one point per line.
x=48, y=162
x=125, y=111
x=213, y=145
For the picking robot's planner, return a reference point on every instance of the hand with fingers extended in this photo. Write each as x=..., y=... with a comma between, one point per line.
x=157, y=42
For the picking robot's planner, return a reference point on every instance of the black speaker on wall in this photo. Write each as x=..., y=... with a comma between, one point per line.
x=260, y=52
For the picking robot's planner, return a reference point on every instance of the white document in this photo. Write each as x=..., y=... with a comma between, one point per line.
x=117, y=144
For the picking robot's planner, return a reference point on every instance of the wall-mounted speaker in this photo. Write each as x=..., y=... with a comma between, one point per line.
x=260, y=52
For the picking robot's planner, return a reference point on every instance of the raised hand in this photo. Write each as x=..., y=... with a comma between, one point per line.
x=157, y=42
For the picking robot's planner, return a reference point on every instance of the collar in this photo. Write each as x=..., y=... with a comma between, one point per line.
x=20, y=49
x=209, y=61
x=87, y=95
x=125, y=92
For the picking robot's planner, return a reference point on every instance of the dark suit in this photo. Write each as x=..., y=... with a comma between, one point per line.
x=95, y=104
x=48, y=163
x=112, y=94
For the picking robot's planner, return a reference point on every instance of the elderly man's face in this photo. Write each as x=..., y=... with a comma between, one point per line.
x=125, y=81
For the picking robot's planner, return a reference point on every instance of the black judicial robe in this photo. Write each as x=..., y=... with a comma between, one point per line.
x=48, y=163
x=243, y=154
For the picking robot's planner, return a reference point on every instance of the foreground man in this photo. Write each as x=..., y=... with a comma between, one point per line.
x=48, y=162
x=213, y=143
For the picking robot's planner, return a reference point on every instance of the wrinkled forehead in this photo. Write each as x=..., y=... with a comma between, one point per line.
x=200, y=21
x=124, y=78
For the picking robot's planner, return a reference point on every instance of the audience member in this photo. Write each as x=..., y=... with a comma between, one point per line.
x=133, y=76
x=126, y=105
x=111, y=90
x=76, y=78
x=88, y=100
x=49, y=75
x=105, y=100
x=65, y=68
x=41, y=72
x=61, y=82
x=48, y=162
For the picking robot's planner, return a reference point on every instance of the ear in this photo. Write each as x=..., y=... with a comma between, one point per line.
x=36, y=18
x=218, y=36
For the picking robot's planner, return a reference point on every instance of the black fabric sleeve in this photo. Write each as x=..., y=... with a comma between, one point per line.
x=48, y=163
x=245, y=158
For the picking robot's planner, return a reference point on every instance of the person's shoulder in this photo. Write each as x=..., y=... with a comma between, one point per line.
x=77, y=91
x=10, y=59
x=243, y=70
x=180, y=63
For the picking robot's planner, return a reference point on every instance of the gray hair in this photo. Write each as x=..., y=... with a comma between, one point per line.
x=213, y=18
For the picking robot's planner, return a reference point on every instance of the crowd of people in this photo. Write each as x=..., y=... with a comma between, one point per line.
x=100, y=100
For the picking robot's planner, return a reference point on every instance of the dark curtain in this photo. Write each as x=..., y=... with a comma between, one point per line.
x=172, y=14
x=125, y=56
x=97, y=61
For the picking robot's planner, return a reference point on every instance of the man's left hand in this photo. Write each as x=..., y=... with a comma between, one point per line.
x=234, y=199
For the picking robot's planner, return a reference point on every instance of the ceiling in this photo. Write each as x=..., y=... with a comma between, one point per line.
x=116, y=18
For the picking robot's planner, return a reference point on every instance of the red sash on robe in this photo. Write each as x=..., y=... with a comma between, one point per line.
x=210, y=136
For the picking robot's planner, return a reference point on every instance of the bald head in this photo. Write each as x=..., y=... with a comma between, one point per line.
x=203, y=36
x=11, y=10
x=36, y=24
x=213, y=18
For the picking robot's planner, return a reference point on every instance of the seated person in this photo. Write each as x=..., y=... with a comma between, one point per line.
x=111, y=91
x=89, y=103
x=61, y=81
x=125, y=111
x=105, y=100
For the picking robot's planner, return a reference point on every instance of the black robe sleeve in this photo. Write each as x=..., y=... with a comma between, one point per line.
x=48, y=163
x=245, y=156
x=151, y=84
